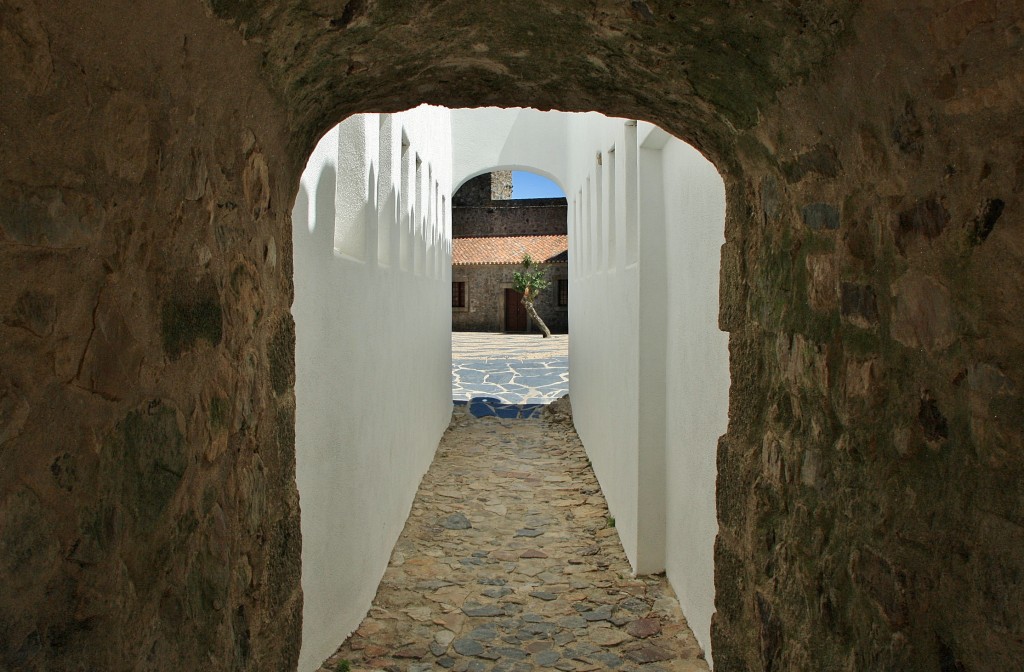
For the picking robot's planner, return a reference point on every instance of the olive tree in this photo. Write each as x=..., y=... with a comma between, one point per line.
x=530, y=282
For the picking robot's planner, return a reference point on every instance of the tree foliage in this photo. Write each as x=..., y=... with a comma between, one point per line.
x=530, y=282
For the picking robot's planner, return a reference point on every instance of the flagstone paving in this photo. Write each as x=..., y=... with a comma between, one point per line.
x=508, y=375
x=509, y=562
x=491, y=345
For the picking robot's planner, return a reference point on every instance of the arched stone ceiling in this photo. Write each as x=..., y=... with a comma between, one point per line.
x=698, y=70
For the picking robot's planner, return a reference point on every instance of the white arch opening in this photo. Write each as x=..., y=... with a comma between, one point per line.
x=649, y=366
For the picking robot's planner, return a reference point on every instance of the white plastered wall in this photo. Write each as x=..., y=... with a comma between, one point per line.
x=696, y=365
x=648, y=366
x=649, y=369
x=372, y=259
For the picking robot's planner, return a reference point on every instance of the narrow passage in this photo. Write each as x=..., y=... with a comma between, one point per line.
x=510, y=562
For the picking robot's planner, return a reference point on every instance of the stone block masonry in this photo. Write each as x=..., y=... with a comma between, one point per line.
x=491, y=217
x=519, y=217
x=485, y=298
x=483, y=189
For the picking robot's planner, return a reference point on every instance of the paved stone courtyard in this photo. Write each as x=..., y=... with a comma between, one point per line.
x=508, y=375
x=510, y=562
x=490, y=345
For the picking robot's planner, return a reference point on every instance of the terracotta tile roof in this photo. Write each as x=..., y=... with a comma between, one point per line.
x=509, y=249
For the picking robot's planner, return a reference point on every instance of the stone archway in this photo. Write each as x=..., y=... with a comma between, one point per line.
x=150, y=156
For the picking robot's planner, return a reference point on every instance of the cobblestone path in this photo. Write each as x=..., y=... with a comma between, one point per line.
x=509, y=562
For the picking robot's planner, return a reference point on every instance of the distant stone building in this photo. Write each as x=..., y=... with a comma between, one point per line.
x=495, y=186
x=490, y=234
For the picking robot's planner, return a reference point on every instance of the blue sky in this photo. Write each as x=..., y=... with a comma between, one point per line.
x=531, y=185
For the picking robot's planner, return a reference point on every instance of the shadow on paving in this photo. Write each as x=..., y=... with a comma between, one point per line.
x=511, y=381
x=510, y=562
x=481, y=407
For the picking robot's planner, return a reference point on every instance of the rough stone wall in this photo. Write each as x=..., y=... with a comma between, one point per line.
x=474, y=192
x=482, y=189
x=870, y=492
x=526, y=217
x=485, y=291
x=148, y=511
x=501, y=185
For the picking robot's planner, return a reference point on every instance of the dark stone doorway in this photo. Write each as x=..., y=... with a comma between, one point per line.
x=515, y=312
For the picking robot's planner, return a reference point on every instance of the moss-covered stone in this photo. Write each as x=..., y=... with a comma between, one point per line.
x=819, y=216
x=820, y=159
x=145, y=458
x=282, y=355
x=193, y=315
x=219, y=410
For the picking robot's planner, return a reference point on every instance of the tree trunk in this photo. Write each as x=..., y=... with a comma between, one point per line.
x=532, y=312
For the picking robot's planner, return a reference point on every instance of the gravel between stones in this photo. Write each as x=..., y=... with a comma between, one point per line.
x=489, y=597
